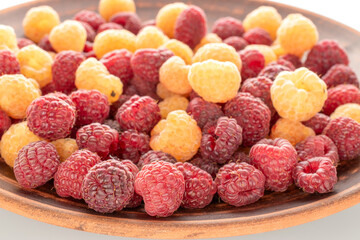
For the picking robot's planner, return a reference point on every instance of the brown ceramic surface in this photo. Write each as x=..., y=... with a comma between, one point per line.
x=273, y=211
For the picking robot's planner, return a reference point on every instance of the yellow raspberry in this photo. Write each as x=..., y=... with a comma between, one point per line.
x=178, y=135
x=150, y=37
x=107, y=8
x=39, y=21
x=179, y=49
x=265, y=50
x=15, y=138
x=218, y=51
x=35, y=63
x=263, y=17
x=111, y=39
x=215, y=81
x=8, y=38
x=171, y=104
x=65, y=147
x=350, y=110
x=16, y=94
x=298, y=95
x=163, y=92
x=167, y=15
x=174, y=75
x=209, y=38
x=92, y=74
x=292, y=131
x=69, y=35
x=297, y=34
x=278, y=50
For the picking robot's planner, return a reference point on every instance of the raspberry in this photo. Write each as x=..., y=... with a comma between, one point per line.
x=13, y=103
x=151, y=22
x=65, y=147
x=251, y=114
x=139, y=113
x=8, y=38
x=144, y=88
x=68, y=35
x=178, y=135
x=61, y=96
x=163, y=92
x=258, y=36
x=295, y=60
x=128, y=20
x=208, y=38
x=113, y=124
x=179, y=49
x=227, y=27
x=8, y=63
x=298, y=95
x=350, y=110
x=171, y=104
x=340, y=74
x=89, y=17
x=264, y=17
x=71, y=173
x=339, y=95
x=116, y=105
x=150, y=37
x=207, y=165
x=108, y=186
x=23, y=42
x=236, y=42
x=155, y=156
x=162, y=187
x=98, y=138
x=199, y=186
x=109, y=26
x=167, y=16
x=272, y=71
x=133, y=144
x=136, y=199
x=315, y=175
x=240, y=184
x=265, y=50
x=215, y=81
x=107, y=8
x=253, y=62
x=90, y=33
x=64, y=69
x=317, y=146
x=190, y=26
x=240, y=157
x=317, y=122
x=45, y=44
x=146, y=63
x=284, y=63
x=324, y=55
x=290, y=130
x=5, y=122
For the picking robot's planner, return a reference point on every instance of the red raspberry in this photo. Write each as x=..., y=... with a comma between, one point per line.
x=90, y=33
x=45, y=44
x=116, y=105
x=345, y=133
x=129, y=90
x=113, y=124
x=220, y=143
x=324, y=55
x=236, y=42
x=146, y=63
x=8, y=63
x=49, y=88
x=88, y=47
x=144, y=88
x=272, y=70
x=240, y=184
x=317, y=123
x=315, y=175
x=203, y=111
x=130, y=21
x=133, y=144
x=36, y=164
x=252, y=63
x=63, y=97
x=5, y=122
x=162, y=187
x=251, y=114
x=258, y=36
x=207, y=165
x=340, y=74
x=199, y=186
x=240, y=157
x=108, y=186
x=90, y=17
x=91, y=106
x=193, y=95
x=98, y=138
x=23, y=42
x=276, y=158
x=151, y=22
x=64, y=69
x=70, y=174
x=136, y=199
x=284, y=63
x=155, y=156
x=117, y=63
x=107, y=26
x=339, y=95
x=228, y=27
x=295, y=60
x=190, y=26
x=50, y=117
x=139, y=113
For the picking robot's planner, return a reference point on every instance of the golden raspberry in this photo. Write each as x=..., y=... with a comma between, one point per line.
x=292, y=131
x=171, y=104
x=265, y=50
x=65, y=147
x=178, y=135
x=297, y=34
x=92, y=74
x=179, y=49
x=39, y=21
x=278, y=50
x=113, y=39
x=215, y=81
x=298, y=95
x=163, y=92
x=16, y=94
x=350, y=110
x=35, y=63
x=218, y=51
x=107, y=8
x=69, y=35
x=209, y=38
x=167, y=15
x=8, y=38
x=150, y=37
x=174, y=75
x=16, y=137
x=263, y=17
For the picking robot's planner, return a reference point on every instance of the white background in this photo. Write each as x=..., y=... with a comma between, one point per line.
x=343, y=225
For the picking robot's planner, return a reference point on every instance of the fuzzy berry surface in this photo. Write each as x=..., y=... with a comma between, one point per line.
x=128, y=20
x=340, y=74
x=252, y=63
x=239, y=157
x=90, y=33
x=208, y=165
x=136, y=199
x=295, y=60
x=258, y=36
x=5, y=122
x=8, y=63
x=155, y=156
x=113, y=124
x=90, y=17
x=272, y=70
x=317, y=123
x=236, y=42
x=340, y=95
x=61, y=96
x=227, y=27
x=23, y=42
x=133, y=144
x=144, y=88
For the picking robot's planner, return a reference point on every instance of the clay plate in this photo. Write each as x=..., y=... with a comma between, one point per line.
x=273, y=211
